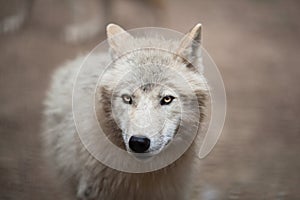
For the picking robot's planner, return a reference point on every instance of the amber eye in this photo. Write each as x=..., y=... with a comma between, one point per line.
x=127, y=99
x=166, y=100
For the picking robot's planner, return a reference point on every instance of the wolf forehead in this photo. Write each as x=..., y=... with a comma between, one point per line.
x=145, y=67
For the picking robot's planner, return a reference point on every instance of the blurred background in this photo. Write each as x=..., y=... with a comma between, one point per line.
x=255, y=44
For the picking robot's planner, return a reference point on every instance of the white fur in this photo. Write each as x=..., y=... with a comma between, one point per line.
x=94, y=179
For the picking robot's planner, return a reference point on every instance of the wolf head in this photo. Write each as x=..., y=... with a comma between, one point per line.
x=152, y=88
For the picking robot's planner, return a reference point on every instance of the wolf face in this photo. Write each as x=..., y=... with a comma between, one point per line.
x=150, y=90
x=148, y=115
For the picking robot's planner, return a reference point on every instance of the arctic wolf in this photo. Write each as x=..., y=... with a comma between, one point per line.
x=144, y=104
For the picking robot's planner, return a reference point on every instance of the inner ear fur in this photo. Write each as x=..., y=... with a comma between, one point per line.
x=117, y=39
x=188, y=50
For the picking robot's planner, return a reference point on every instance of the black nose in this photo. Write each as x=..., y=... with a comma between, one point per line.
x=139, y=144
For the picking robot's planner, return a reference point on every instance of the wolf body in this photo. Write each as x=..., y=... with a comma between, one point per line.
x=147, y=78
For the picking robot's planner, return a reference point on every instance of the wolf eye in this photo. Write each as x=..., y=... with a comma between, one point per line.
x=127, y=99
x=166, y=100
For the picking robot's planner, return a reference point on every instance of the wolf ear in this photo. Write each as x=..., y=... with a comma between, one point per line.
x=189, y=48
x=117, y=38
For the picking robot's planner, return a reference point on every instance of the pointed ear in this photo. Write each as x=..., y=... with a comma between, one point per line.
x=189, y=48
x=117, y=39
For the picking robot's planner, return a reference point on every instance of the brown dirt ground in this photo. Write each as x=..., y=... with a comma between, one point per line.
x=256, y=47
